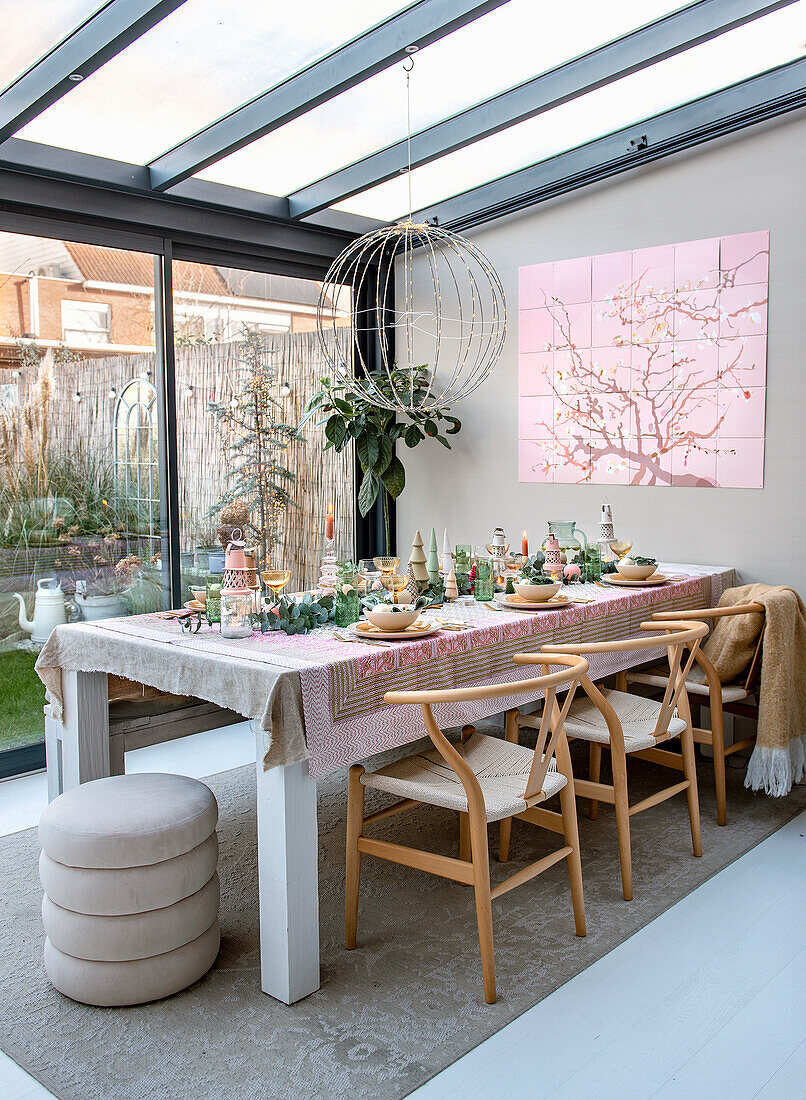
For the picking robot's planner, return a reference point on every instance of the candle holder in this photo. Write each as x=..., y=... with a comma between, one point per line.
x=327, y=570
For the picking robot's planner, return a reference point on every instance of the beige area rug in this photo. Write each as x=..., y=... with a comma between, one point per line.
x=389, y=1015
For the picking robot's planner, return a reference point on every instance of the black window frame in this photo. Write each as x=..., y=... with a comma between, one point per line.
x=165, y=249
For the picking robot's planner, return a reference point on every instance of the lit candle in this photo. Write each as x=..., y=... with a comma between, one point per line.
x=329, y=522
x=525, y=545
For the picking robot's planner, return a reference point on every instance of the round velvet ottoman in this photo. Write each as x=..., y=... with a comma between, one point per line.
x=128, y=867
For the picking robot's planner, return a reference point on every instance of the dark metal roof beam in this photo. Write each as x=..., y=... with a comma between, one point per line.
x=421, y=24
x=89, y=46
x=57, y=183
x=755, y=100
x=646, y=46
x=65, y=165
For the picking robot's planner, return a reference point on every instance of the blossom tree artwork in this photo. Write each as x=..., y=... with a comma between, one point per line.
x=646, y=367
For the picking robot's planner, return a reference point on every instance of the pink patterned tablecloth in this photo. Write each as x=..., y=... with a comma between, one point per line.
x=341, y=687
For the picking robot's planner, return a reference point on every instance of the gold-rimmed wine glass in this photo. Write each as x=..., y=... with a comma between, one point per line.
x=621, y=547
x=276, y=580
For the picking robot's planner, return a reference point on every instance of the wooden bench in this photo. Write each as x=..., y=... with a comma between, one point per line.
x=139, y=716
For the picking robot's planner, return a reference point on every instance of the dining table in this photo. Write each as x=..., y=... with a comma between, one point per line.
x=317, y=704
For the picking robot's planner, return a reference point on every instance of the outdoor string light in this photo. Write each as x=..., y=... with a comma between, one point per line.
x=448, y=319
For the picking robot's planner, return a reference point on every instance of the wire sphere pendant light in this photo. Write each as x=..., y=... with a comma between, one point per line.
x=431, y=303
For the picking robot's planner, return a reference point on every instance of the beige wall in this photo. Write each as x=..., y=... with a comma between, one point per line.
x=756, y=180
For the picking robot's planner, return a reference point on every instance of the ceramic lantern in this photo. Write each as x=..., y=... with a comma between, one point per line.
x=554, y=562
x=498, y=545
x=237, y=573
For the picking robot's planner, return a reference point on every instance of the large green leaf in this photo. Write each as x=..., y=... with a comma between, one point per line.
x=385, y=451
x=368, y=493
x=367, y=447
x=336, y=431
x=394, y=477
x=412, y=435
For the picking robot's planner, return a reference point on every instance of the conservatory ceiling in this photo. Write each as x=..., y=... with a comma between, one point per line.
x=299, y=111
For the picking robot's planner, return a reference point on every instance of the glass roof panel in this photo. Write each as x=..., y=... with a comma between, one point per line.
x=736, y=55
x=33, y=29
x=507, y=46
x=200, y=62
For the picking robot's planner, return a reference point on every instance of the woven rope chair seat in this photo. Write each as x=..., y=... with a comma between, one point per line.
x=638, y=718
x=657, y=676
x=501, y=768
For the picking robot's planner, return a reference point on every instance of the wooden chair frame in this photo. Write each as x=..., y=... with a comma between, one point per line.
x=715, y=736
x=679, y=636
x=472, y=867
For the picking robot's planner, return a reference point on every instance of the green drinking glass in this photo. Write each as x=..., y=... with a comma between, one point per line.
x=484, y=589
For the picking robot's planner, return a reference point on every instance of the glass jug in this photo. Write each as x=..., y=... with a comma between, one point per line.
x=568, y=535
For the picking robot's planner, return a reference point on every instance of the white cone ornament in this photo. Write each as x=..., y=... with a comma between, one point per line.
x=447, y=554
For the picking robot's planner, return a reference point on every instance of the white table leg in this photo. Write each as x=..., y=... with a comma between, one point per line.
x=85, y=727
x=287, y=852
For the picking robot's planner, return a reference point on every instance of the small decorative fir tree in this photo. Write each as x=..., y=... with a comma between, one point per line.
x=256, y=441
x=417, y=562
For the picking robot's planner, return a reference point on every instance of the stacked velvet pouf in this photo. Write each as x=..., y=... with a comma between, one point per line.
x=128, y=866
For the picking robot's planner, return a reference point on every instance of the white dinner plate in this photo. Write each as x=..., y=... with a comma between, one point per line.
x=421, y=629
x=516, y=603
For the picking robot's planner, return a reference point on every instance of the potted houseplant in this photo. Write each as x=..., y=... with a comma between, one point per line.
x=96, y=587
x=351, y=416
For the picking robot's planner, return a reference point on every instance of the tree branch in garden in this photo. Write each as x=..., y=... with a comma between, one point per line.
x=255, y=443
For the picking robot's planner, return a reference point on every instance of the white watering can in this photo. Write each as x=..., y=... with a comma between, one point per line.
x=49, y=610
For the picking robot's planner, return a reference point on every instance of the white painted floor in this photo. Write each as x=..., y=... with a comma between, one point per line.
x=707, y=1001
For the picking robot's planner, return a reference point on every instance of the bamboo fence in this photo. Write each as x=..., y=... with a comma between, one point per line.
x=84, y=406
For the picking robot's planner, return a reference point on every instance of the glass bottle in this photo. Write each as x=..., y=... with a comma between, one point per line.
x=236, y=612
x=348, y=608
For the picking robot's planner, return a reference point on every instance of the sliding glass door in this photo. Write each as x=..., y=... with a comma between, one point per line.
x=248, y=358
x=80, y=528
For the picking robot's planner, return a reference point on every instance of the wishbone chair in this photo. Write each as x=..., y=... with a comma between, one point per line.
x=718, y=697
x=485, y=779
x=630, y=725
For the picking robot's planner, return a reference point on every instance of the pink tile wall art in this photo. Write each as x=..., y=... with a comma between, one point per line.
x=646, y=367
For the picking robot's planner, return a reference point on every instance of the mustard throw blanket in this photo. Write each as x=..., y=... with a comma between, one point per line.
x=780, y=751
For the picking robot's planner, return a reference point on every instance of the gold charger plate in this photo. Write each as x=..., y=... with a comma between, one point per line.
x=518, y=603
x=195, y=605
x=421, y=629
x=629, y=582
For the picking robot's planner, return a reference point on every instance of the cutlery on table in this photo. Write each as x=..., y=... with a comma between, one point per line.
x=360, y=641
x=454, y=624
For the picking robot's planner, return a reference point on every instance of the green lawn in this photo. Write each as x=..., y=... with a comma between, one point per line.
x=22, y=697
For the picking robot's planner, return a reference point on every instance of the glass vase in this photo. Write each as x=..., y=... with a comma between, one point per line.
x=348, y=608
x=212, y=605
x=592, y=564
